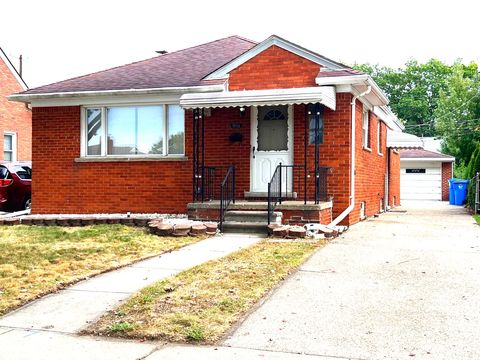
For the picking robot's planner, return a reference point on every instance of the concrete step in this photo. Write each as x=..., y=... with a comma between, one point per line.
x=252, y=216
x=245, y=227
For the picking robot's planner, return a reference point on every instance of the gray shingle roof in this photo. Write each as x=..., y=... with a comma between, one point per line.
x=177, y=69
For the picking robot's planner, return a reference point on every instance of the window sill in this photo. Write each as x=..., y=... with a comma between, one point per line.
x=367, y=149
x=380, y=154
x=129, y=159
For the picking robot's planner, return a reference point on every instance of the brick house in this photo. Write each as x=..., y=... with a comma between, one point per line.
x=15, y=118
x=271, y=125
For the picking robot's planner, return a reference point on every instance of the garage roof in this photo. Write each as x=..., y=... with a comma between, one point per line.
x=421, y=154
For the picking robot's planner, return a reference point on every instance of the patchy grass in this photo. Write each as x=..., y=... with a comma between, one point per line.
x=36, y=260
x=202, y=303
x=477, y=218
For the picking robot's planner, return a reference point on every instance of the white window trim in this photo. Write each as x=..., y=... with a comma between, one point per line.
x=103, y=147
x=365, y=131
x=379, y=138
x=14, y=145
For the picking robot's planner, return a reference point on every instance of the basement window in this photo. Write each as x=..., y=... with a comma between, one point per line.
x=133, y=131
x=362, y=210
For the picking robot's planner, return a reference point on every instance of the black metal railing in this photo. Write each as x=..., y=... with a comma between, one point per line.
x=208, y=183
x=227, y=193
x=321, y=188
x=287, y=182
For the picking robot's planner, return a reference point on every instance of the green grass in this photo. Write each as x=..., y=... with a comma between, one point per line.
x=36, y=260
x=202, y=303
x=477, y=218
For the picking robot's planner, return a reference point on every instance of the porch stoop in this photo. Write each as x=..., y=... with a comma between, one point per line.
x=251, y=216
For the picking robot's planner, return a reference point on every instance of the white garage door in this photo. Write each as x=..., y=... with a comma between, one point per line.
x=421, y=181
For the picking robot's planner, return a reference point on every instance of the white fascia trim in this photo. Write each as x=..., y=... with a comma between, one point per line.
x=388, y=117
x=12, y=69
x=426, y=159
x=152, y=91
x=362, y=79
x=325, y=95
x=222, y=72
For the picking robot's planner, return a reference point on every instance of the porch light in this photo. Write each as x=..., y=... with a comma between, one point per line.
x=242, y=111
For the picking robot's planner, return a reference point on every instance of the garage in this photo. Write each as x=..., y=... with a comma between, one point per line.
x=420, y=180
x=424, y=175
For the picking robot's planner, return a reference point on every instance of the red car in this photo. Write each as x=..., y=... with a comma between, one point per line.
x=15, y=186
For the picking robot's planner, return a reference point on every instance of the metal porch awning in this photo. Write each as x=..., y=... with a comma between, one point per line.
x=320, y=94
x=401, y=140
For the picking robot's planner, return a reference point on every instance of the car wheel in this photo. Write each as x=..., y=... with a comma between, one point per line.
x=27, y=205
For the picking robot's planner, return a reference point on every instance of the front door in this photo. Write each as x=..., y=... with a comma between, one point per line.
x=272, y=144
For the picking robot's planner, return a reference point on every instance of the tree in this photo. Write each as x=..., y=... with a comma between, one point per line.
x=413, y=91
x=457, y=115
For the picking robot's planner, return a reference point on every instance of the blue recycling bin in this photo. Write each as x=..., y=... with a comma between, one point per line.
x=460, y=190
x=451, y=191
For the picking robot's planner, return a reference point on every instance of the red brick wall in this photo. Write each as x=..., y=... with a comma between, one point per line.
x=61, y=185
x=219, y=150
x=446, y=174
x=14, y=116
x=394, y=178
x=274, y=68
x=370, y=168
x=333, y=153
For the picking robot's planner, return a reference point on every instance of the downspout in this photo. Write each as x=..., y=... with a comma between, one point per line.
x=350, y=207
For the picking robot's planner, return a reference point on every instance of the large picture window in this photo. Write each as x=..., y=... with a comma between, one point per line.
x=156, y=130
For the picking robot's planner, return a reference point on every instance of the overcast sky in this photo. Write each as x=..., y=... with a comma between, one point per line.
x=63, y=39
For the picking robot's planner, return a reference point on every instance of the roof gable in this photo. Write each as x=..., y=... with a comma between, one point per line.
x=12, y=69
x=223, y=71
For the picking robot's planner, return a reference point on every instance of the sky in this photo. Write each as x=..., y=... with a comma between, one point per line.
x=64, y=39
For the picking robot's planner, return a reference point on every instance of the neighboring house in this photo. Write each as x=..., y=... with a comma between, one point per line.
x=425, y=174
x=161, y=135
x=15, y=118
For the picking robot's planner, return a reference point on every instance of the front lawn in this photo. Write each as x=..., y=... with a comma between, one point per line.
x=36, y=260
x=202, y=303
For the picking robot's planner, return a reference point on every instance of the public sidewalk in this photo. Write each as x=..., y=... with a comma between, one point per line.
x=46, y=328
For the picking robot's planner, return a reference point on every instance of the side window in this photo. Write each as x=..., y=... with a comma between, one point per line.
x=379, y=137
x=23, y=172
x=365, y=128
x=3, y=172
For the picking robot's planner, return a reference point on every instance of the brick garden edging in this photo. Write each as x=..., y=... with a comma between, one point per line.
x=159, y=224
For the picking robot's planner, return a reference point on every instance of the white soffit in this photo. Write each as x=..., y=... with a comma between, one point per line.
x=222, y=72
x=323, y=94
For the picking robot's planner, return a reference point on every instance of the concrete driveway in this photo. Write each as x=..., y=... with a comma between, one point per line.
x=401, y=286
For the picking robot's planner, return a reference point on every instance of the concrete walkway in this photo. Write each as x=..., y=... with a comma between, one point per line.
x=44, y=329
x=401, y=286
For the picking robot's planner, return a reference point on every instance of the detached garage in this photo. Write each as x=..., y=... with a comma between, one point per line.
x=424, y=174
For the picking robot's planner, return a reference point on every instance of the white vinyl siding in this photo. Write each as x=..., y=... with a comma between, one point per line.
x=419, y=185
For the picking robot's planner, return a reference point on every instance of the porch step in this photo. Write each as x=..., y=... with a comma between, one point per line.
x=245, y=227
x=249, y=221
x=252, y=216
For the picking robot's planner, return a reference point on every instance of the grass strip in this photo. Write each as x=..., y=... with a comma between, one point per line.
x=37, y=260
x=202, y=303
x=477, y=218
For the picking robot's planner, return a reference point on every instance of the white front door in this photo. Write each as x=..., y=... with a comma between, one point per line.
x=272, y=144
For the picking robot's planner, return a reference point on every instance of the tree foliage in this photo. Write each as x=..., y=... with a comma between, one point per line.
x=458, y=114
x=435, y=99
